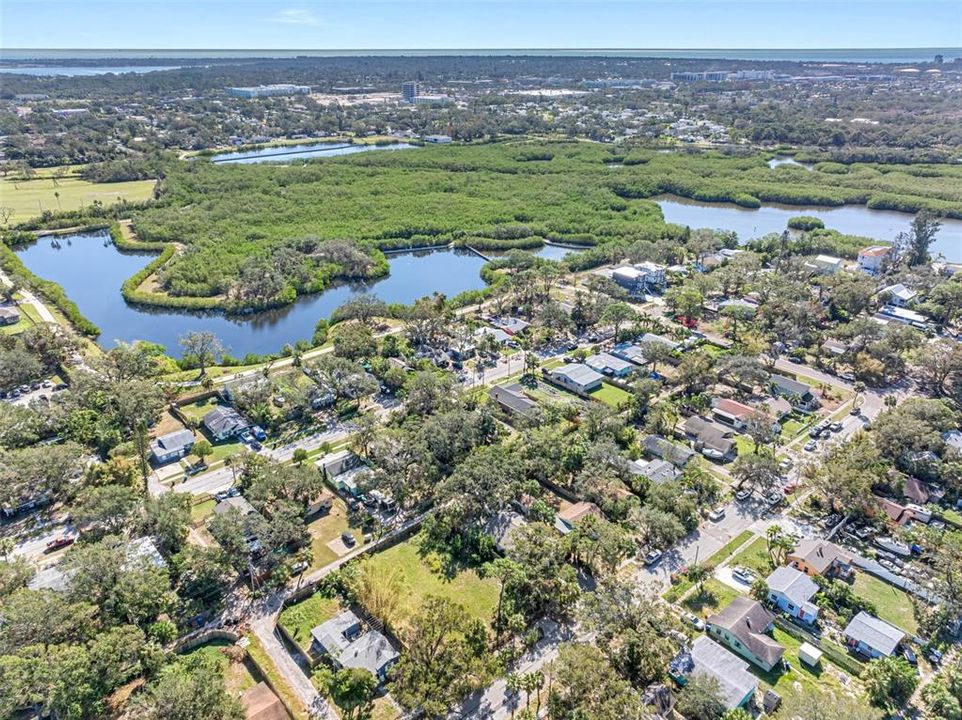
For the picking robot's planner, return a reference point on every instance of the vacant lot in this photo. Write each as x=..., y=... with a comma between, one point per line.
x=893, y=605
x=327, y=529
x=240, y=676
x=423, y=574
x=611, y=395
x=32, y=197
x=755, y=556
x=716, y=596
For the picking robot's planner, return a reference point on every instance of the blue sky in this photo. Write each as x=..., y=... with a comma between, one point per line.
x=373, y=24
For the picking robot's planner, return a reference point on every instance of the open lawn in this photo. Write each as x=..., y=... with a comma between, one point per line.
x=716, y=596
x=893, y=604
x=755, y=556
x=197, y=410
x=792, y=428
x=239, y=676
x=423, y=574
x=201, y=511
x=680, y=588
x=30, y=198
x=328, y=527
x=611, y=395
x=299, y=619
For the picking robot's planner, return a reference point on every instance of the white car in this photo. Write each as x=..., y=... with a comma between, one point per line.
x=716, y=514
x=695, y=621
x=744, y=575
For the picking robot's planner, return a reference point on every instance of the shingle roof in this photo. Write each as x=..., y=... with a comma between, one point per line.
x=731, y=671
x=222, y=420
x=502, y=526
x=512, y=397
x=372, y=652
x=786, y=384
x=820, y=554
x=333, y=635
x=601, y=361
x=708, y=434
x=793, y=584
x=666, y=450
x=748, y=620
x=875, y=633
x=172, y=442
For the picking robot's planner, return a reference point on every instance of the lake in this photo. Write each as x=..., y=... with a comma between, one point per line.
x=849, y=219
x=91, y=272
x=286, y=153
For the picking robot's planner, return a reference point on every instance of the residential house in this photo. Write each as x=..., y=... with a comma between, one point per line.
x=658, y=471
x=630, y=353
x=791, y=591
x=798, y=393
x=890, y=313
x=872, y=637
x=825, y=264
x=743, y=626
x=502, y=526
x=566, y=519
x=659, y=447
x=9, y=315
x=776, y=407
x=834, y=347
x=172, y=446
x=514, y=326
x=343, y=640
x=953, y=441
x=512, y=399
x=871, y=259
x=707, y=658
x=342, y=469
x=224, y=422
x=499, y=335
x=738, y=415
x=820, y=557
x=640, y=278
x=609, y=365
x=749, y=308
x=653, y=338
x=898, y=295
x=576, y=377
x=714, y=439
x=51, y=578
x=320, y=503
x=260, y=703
x=238, y=503
x=256, y=384
x=712, y=260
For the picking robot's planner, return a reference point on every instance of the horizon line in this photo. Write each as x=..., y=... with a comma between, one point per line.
x=405, y=49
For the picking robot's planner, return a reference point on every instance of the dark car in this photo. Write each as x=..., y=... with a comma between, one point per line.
x=910, y=656
x=60, y=542
x=348, y=539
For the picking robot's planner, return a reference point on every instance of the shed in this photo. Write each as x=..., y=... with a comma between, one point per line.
x=809, y=654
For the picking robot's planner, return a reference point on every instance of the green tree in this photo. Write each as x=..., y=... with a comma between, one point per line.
x=300, y=456
x=890, y=681
x=202, y=348
x=353, y=691
x=585, y=685
x=701, y=699
x=203, y=449
x=190, y=688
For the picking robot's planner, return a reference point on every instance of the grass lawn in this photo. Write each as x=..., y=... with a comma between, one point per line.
x=611, y=395
x=197, y=410
x=327, y=528
x=423, y=574
x=30, y=198
x=299, y=619
x=716, y=596
x=239, y=676
x=792, y=428
x=893, y=605
x=745, y=445
x=755, y=556
x=953, y=516
x=201, y=511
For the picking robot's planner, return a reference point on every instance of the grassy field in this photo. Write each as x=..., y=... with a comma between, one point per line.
x=611, y=395
x=201, y=511
x=755, y=556
x=893, y=605
x=716, y=596
x=32, y=197
x=239, y=676
x=423, y=575
x=299, y=619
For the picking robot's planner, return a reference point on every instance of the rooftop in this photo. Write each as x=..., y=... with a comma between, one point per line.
x=793, y=584
x=710, y=658
x=748, y=620
x=820, y=554
x=579, y=374
x=875, y=633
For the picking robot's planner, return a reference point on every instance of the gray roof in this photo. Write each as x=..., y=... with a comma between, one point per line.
x=579, y=373
x=793, y=584
x=876, y=634
x=502, y=527
x=709, y=435
x=658, y=471
x=172, y=442
x=630, y=352
x=224, y=420
x=667, y=450
x=51, y=578
x=789, y=386
x=652, y=337
x=372, y=652
x=602, y=361
x=820, y=554
x=500, y=335
x=239, y=503
x=333, y=636
x=513, y=398
x=731, y=671
x=748, y=620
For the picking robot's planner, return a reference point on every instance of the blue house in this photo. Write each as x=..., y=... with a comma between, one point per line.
x=791, y=591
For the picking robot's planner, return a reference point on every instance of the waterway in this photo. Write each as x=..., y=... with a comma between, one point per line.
x=288, y=153
x=81, y=70
x=91, y=270
x=849, y=219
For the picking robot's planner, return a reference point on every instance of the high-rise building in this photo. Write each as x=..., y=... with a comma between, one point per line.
x=410, y=91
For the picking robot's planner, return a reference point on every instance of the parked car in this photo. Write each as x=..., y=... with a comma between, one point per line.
x=653, y=557
x=811, y=446
x=835, y=427
x=299, y=567
x=855, y=411
x=744, y=575
x=716, y=514
x=695, y=621
x=935, y=656
x=348, y=539
x=60, y=542
x=246, y=437
x=258, y=432
x=712, y=454
x=255, y=445
x=790, y=488
x=785, y=465
x=815, y=433
x=743, y=495
x=910, y=656
x=774, y=497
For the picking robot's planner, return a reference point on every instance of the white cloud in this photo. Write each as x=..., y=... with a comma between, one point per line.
x=296, y=17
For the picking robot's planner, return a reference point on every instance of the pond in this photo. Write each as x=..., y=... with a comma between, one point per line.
x=91, y=270
x=849, y=219
x=287, y=153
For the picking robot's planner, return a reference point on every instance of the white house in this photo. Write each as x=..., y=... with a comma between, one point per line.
x=872, y=258
x=825, y=264
x=791, y=591
x=898, y=295
x=576, y=377
x=870, y=636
